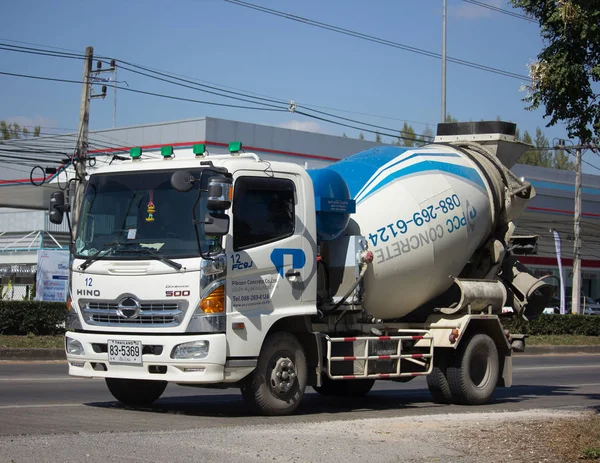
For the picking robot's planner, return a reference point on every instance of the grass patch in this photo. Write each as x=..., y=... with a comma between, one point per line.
x=32, y=341
x=562, y=340
x=579, y=440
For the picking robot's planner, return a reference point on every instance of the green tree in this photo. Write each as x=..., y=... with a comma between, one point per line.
x=449, y=118
x=542, y=146
x=561, y=161
x=426, y=137
x=10, y=130
x=568, y=65
x=542, y=154
x=378, y=137
x=361, y=136
x=530, y=157
x=407, y=136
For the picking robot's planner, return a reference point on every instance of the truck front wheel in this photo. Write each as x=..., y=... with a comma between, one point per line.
x=474, y=373
x=277, y=385
x=135, y=392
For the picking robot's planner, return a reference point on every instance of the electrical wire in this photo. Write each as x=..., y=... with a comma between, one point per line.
x=245, y=97
x=223, y=88
x=201, y=89
x=501, y=10
x=374, y=39
x=172, y=97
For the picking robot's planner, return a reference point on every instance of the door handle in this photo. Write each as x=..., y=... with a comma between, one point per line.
x=292, y=274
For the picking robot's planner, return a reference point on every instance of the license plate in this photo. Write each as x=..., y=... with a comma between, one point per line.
x=122, y=351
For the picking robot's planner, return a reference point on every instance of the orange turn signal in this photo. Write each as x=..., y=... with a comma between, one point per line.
x=214, y=302
x=69, y=301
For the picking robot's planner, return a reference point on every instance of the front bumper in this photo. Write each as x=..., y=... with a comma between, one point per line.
x=157, y=363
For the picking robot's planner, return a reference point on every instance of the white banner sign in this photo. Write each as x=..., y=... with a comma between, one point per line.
x=52, y=281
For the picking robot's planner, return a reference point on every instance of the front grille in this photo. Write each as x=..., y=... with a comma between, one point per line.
x=151, y=313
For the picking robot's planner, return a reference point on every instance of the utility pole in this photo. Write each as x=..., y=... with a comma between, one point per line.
x=114, y=65
x=80, y=158
x=576, y=292
x=444, y=61
x=575, y=297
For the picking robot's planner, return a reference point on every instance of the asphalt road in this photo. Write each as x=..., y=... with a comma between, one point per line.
x=39, y=399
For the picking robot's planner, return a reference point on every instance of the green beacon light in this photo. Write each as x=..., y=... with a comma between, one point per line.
x=166, y=152
x=199, y=150
x=235, y=147
x=135, y=153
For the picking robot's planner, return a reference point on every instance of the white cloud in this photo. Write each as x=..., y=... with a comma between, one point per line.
x=470, y=11
x=306, y=126
x=31, y=122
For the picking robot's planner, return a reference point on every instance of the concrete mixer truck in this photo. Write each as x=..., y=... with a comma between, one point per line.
x=232, y=271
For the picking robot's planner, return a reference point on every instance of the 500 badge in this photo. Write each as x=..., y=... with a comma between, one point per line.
x=177, y=293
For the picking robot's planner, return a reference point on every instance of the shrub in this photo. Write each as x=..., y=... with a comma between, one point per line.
x=584, y=325
x=24, y=317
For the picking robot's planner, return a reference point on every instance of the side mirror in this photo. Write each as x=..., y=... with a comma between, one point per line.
x=216, y=224
x=220, y=193
x=57, y=207
x=182, y=180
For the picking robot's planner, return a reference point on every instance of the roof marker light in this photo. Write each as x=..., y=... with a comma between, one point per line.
x=235, y=147
x=135, y=153
x=166, y=151
x=199, y=150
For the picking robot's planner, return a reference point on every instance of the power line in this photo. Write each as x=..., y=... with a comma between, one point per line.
x=500, y=10
x=52, y=79
x=171, y=97
x=140, y=91
x=196, y=82
x=266, y=104
x=399, y=135
x=195, y=87
x=374, y=39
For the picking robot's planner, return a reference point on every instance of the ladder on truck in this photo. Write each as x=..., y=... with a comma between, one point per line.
x=379, y=357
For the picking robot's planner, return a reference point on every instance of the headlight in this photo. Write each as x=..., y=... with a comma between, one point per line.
x=191, y=350
x=74, y=347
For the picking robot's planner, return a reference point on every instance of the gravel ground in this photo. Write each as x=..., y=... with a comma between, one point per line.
x=527, y=436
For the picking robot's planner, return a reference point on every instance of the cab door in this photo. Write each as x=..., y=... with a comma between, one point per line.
x=267, y=262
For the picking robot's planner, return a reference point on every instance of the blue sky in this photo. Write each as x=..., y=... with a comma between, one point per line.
x=232, y=46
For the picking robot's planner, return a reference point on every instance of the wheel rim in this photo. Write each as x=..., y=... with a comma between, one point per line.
x=480, y=368
x=283, y=376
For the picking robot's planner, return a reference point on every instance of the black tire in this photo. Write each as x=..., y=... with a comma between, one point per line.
x=281, y=358
x=344, y=387
x=437, y=380
x=473, y=375
x=135, y=392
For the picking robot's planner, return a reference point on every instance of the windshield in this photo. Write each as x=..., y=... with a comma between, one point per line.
x=127, y=211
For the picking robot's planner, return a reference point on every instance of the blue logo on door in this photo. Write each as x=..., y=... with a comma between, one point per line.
x=278, y=258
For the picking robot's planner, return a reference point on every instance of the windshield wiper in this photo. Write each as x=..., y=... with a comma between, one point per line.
x=94, y=257
x=156, y=255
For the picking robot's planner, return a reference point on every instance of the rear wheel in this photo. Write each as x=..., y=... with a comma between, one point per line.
x=437, y=380
x=277, y=385
x=135, y=392
x=344, y=387
x=473, y=376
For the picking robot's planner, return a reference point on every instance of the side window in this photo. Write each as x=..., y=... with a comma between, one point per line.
x=263, y=211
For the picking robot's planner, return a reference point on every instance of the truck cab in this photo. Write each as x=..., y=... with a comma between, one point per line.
x=157, y=295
